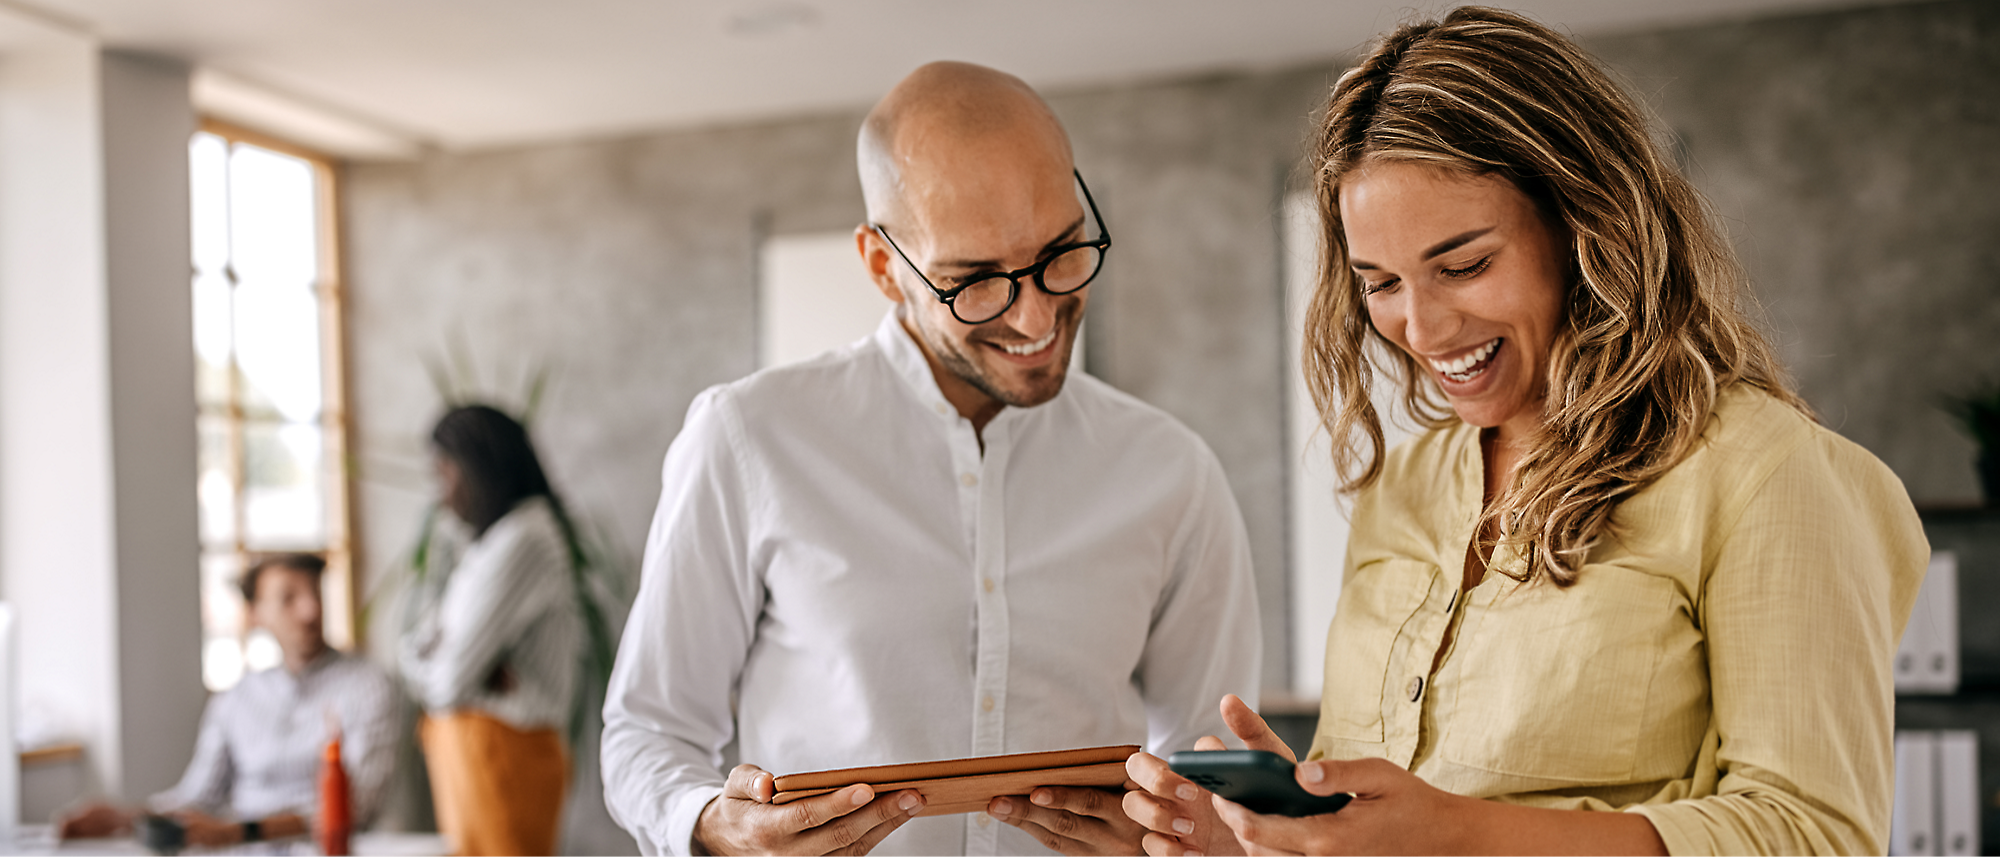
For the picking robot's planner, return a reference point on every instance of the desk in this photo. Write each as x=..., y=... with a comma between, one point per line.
x=34, y=839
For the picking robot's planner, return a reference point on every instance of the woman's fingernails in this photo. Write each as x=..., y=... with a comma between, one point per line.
x=1314, y=773
x=907, y=802
x=1183, y=826
x=859, y=796
x=1002, y=807
x=1187, y=791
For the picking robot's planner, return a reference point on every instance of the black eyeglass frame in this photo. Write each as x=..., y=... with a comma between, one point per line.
x=949, y=297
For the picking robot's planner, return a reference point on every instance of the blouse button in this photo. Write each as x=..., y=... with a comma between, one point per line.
x=943, y=409
x=989, y=584
x=968, y=480
x=986, y=704
x=1416, y=688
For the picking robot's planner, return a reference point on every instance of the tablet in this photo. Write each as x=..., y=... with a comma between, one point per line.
x=968, y=785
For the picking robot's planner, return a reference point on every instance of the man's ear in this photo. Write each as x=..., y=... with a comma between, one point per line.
x=877, y=258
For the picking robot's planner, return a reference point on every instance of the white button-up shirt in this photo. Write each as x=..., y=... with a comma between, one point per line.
x=833, y=551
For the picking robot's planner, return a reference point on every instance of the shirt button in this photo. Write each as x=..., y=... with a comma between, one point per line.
x=1416, y=688
x=968, y=480
x=985, y=819
x=986, y=704
x=943, y=409
x=989, y=584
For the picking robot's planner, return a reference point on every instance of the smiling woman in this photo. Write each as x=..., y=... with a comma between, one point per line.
x=1625, y=595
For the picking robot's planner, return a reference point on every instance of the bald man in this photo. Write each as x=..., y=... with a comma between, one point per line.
x=935, y=542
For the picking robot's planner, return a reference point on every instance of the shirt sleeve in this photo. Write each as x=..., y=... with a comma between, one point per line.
x=206, y=783
x=495, y=593
x=369, y=743
x=667, y=711
x=1802, y=609
x=1206, y=638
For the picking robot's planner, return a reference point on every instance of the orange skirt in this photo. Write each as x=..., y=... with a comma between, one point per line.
x=497, y=790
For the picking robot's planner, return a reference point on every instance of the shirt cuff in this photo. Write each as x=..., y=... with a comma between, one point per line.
x=679, y=835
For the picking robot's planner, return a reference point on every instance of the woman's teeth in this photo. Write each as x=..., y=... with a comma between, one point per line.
x=1032, y=347
x=1469, y=366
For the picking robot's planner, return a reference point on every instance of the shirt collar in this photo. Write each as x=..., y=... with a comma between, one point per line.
x=907, y=359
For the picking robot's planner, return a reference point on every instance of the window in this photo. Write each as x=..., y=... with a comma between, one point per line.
x=267, y=332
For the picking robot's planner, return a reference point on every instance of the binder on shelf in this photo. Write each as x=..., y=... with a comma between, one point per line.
x=1958, y=792
x=1913, y=822
x=1927, y=659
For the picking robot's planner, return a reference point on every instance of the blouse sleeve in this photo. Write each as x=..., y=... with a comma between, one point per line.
x=1803, y=603
x=492, y=596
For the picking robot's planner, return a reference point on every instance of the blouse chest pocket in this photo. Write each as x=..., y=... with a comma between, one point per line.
x=1375, y=603
x=1557, y=683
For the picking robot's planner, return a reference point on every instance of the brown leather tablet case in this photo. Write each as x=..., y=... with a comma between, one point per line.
x=968, y=785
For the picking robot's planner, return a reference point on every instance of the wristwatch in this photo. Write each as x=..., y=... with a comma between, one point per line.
x=253, y=831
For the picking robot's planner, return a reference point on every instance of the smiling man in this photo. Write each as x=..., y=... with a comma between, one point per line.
x=935, y=542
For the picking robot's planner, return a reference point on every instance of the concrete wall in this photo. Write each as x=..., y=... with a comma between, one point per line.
x=1856, y=158
x=1853, y=153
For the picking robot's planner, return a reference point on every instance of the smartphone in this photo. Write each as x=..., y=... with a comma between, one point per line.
x=1262, y=781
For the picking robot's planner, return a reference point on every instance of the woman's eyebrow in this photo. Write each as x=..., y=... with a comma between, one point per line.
x=1438, y=249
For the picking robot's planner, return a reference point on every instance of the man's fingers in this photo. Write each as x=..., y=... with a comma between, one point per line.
x=1096, y=803
x=862, y=826
x=1210, y=742
x=1256, y=734
x=807, y=813
x=748, y=782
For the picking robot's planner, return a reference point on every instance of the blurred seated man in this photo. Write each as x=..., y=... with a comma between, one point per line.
x=256, y=765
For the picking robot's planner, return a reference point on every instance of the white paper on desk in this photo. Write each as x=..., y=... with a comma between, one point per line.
x=1927, y=659
x=1913, y=823
x=1958, y=791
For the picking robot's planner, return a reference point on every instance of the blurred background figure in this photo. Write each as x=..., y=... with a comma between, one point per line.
x=256, y=764
x=495, y=659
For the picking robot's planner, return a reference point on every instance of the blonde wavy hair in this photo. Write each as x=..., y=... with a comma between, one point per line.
x=1656, y=318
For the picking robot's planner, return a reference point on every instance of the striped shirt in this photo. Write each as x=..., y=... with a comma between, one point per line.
x=261, y=742
x=506, y=638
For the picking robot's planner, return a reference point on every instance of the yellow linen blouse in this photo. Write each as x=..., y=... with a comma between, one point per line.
x=1722, y=664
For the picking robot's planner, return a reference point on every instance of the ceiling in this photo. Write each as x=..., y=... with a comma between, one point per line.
x=392, y=78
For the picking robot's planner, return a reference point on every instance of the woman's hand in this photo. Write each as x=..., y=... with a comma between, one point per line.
x=1180, y=816
x=1393, y=812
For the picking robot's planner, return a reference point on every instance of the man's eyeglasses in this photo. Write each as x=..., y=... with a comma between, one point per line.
x=985, y=296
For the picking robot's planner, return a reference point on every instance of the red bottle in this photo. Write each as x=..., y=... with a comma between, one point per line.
x=335, y=820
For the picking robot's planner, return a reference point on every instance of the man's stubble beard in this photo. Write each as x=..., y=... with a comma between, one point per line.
x=958, y=363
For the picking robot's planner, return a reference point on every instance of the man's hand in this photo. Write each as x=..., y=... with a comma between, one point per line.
x=849, y=821
x=207, y=831
x=1074, y=821
x=94, y=821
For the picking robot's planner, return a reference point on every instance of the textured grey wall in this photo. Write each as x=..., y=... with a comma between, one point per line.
x=1856, y=157
x=1853, y=153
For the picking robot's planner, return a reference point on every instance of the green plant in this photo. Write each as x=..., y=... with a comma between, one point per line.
x=594, y=574
x=1977, y=413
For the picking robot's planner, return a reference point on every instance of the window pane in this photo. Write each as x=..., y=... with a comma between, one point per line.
x=208, y=159
x=216, y=488
x=278, y=349
x=212, y=337
x=221, y=620
x=271, y=217
x=283, y=498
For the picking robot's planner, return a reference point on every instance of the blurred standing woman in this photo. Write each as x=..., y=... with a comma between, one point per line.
x=495, y=661
x=1626, y=595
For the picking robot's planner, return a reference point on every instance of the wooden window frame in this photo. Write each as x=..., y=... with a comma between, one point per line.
x=339, y=586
